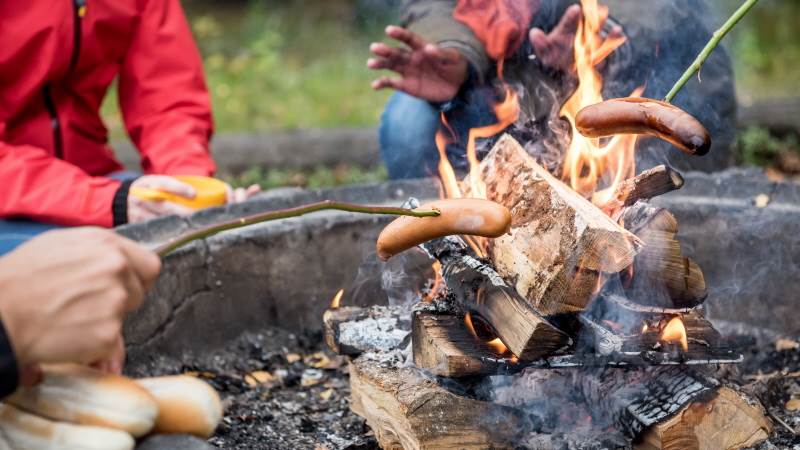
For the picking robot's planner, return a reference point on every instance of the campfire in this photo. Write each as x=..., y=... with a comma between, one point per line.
x=590, y=278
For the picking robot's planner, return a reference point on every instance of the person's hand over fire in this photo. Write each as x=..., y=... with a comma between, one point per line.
x=426, y=70
x=142, y=209
x=65, y=294
x=555, y=49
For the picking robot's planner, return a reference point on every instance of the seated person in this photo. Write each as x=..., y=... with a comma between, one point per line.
x=65, y=294
x=57, y=62
x=444, y=66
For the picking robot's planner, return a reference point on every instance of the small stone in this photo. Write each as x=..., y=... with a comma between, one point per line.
x=253, y=379
x=292, y=358
x=326, y=395
x=311, y=377
x=783, y=345
x=793, y=404
x=761, y=200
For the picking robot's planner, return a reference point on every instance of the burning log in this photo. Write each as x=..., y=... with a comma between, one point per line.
x=651, y=183
x=408, y=410
x=674, y=408
x=560, y=243
x=333, y=319
x=444, y=346
x=660, y=270
x=478, y=288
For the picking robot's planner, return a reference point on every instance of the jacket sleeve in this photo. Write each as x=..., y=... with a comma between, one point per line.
x=434, y=21
x=163, y=95
x=9, y=372
x=41, y=187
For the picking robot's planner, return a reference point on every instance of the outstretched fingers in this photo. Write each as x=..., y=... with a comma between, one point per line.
x=411, y=39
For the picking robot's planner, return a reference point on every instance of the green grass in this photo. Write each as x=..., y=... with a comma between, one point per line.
x=282, y=64
x=313, y=179
x=758, y=147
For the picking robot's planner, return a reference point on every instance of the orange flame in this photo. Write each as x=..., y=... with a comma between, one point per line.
x=337, y=299
x=587, y=161
x=496, y=344
x=438, y=282
x=675, y=332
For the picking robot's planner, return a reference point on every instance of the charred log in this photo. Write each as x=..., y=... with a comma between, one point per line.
x=351, y=330
x=478, y=288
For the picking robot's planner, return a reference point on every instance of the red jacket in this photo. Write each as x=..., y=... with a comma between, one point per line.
x=57, y=60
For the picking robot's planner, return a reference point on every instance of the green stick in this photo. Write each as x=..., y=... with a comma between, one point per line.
x=710, y=46
x=179, y=241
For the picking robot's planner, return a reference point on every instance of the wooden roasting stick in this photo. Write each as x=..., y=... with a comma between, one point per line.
x=560, y=243
x=480, y=289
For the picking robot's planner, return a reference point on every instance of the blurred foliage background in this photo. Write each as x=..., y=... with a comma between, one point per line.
x=277, y=64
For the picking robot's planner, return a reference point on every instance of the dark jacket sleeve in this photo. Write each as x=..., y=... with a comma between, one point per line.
x=9, y=375
x=433, y=20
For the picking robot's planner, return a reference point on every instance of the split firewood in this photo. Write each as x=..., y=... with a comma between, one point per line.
x=407, y=409
x=672, y=408
x=728, y=421
x=443, y=345
x=478, y=288
x=560, y=243
x=661, y=274
x=651, y=183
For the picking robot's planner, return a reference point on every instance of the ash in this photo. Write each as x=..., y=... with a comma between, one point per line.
x=279, y=390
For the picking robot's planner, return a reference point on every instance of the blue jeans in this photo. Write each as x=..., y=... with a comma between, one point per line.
x=408, y=129
x=15, y=232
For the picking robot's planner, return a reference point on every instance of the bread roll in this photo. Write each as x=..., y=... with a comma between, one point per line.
x=22, y=431
x=186, y=405
x=84, y=396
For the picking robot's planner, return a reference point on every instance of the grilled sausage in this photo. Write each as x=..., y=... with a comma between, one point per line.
x=458, y=216
x=635, y=115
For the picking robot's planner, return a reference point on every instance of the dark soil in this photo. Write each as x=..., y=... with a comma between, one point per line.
x=280, y=391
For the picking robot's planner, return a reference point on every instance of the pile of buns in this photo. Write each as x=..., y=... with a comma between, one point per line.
x=76, y=407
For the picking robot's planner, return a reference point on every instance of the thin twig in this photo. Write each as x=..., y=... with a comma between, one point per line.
x=710, y=46
x=780, y=421
x=179, y=241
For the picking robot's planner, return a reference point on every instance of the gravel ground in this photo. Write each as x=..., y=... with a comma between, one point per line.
x=280, y=391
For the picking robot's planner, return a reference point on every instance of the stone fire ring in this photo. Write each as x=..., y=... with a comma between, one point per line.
x=741, y=228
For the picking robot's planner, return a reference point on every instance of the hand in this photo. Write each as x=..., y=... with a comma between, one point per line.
x=65, y=294
x=239, y=195
x=555, y=50
x=140, y=209
x=426, y=70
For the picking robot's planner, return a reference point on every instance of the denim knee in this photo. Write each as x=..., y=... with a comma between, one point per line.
x=407, y=133
x=14, y=233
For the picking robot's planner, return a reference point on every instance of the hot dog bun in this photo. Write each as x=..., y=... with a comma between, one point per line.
x=458, y=216
x=633, y=115
x=23, y=431
x=186, y=405
x=84, y=396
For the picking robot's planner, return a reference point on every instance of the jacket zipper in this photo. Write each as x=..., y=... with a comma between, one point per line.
x=78, y=11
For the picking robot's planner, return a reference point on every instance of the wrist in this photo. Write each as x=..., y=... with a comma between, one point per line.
x=119, y=206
